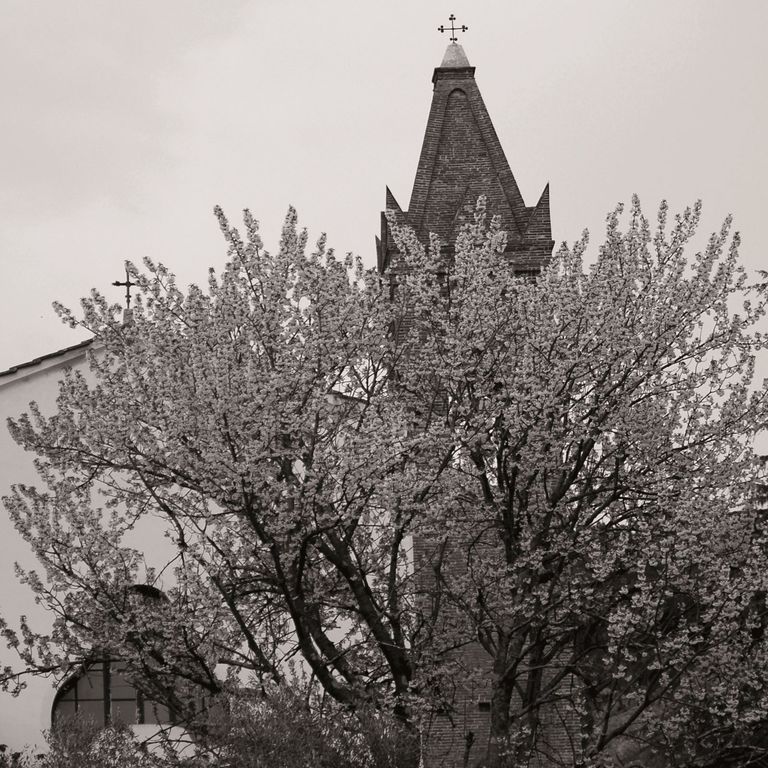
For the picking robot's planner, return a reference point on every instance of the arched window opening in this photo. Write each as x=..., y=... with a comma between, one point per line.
x=102, y=693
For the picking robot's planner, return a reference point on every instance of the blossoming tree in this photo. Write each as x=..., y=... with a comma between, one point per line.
x=374, y=476
x=598, y=518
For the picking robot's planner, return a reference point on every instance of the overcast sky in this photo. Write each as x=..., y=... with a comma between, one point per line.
x=123, y=123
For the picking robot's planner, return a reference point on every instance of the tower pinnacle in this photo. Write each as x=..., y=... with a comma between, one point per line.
x=454, y=57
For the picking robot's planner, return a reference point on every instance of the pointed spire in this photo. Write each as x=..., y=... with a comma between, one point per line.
x=454, y=57
x=392, y=204
x=539, y=225
x=461, y=158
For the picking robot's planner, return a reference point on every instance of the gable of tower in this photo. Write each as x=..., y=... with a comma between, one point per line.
x=461, y=158
x=461, y=171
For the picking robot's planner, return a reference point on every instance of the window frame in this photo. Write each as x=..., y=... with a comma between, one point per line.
x=142, y=705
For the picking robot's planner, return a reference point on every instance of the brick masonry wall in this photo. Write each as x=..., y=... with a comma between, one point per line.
x=462, y=171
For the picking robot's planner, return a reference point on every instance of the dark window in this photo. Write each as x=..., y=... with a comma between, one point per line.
x=83, y=695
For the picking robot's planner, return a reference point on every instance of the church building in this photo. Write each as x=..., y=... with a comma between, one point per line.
x=461, y=159
x=98, y=692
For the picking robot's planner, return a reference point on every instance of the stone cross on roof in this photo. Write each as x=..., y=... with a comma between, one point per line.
x=452, y=29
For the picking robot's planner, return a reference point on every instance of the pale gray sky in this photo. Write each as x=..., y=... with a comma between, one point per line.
x=124, y=123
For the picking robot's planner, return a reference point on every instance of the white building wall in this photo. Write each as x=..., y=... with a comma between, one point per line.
x=23, y=718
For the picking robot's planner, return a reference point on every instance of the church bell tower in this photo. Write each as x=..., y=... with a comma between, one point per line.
x=461, y=159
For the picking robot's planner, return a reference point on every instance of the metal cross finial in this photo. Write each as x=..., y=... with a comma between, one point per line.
x=128, y=283
x=453, y=30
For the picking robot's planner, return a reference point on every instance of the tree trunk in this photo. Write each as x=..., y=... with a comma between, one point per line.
x=499, y=754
